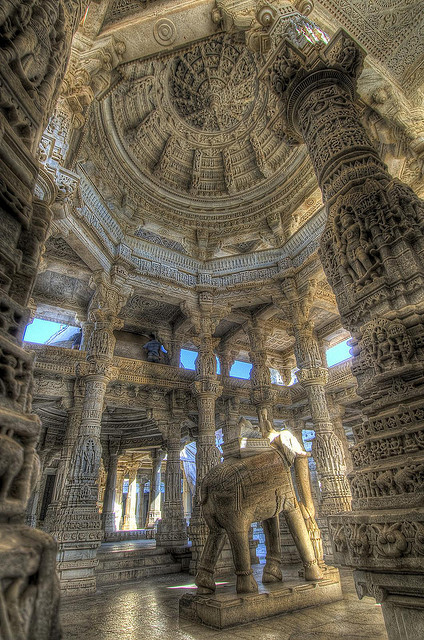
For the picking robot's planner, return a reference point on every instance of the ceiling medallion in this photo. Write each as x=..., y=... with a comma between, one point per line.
x=214, y=86
x=164, y=32
x=192, y=137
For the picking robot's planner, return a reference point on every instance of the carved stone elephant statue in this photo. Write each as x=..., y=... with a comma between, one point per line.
x=238, y=492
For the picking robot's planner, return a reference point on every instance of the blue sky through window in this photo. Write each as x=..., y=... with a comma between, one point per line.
x=238, y=370
x=338, y=353
x=41, y=330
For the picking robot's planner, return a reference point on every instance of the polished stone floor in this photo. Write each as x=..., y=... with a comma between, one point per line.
x=149, y=611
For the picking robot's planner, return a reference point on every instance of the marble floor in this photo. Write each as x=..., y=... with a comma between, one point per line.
x=149, y=611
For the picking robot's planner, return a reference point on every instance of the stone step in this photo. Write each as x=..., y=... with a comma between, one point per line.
x=126, y=566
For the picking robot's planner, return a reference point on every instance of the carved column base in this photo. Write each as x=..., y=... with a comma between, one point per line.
x=153, y=518
x=289, y=552
x=130, y=523
x=401, y=598
x=79, y=534
x=172, y=531
x=386, y=549
x=109, y=521
x=197, y=532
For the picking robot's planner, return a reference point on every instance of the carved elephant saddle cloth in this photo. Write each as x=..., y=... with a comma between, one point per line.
x=251, y=479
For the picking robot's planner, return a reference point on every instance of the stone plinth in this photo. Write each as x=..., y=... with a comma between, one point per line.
x=222, y=610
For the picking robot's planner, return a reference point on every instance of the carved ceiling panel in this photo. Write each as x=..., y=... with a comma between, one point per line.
x=390, y=30
x=188, y=138
x=140, y=307
x=62, y=291
x=58, y=248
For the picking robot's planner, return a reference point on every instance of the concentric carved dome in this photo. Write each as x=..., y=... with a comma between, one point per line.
x=195, y=137
x=214, y=86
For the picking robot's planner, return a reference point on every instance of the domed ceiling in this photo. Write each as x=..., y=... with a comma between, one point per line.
x=194, y=139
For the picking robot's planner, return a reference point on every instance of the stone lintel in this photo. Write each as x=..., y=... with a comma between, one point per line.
x=220, y=611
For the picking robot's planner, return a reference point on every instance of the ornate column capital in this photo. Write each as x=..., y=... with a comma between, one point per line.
x=206, y=388
x=292, y=73
x=312, y=376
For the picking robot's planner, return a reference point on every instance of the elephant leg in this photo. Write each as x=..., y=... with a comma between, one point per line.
x=211, y=552
x=239, y=541
x=272, y=569
x=298, y=530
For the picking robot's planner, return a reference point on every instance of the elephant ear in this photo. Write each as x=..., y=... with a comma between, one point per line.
x=289, y=445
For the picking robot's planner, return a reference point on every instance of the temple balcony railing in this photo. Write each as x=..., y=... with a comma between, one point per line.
x=62, y=363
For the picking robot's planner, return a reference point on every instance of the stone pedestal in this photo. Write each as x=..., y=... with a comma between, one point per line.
x=224, y=609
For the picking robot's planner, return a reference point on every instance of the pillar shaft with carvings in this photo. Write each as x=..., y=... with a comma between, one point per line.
x=108, y=511
x=372, y=251
x=206, y=389
x=327, y=448
x=262, y=393
x=79, y=512
x=131, y=503
x=26, y=101
x=154, y=510
x=172, y=529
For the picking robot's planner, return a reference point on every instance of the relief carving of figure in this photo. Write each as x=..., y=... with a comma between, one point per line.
x=358, y=256
x=387, y=345
x=11, y=461
x=35, y=58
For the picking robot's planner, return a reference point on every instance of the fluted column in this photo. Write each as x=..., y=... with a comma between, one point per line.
x=154, y=511
x=372, y=251
x=172, y=529
x=108, y=512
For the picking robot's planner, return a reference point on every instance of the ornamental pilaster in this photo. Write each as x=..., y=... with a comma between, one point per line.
x=372, y=252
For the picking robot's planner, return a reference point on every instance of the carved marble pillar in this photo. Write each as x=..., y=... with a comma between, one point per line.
x=262, y=393
x=154, y=510
x=108, y=512
x=119, y=496
x=26, y=101
x=78, y=525
x=327, y=449
x=131, y=503
x=61, y=487
x=226, y=360
x=372, y=252
x=172, y=529
x=207, y=389
x=231, y=428
x=336, y=414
